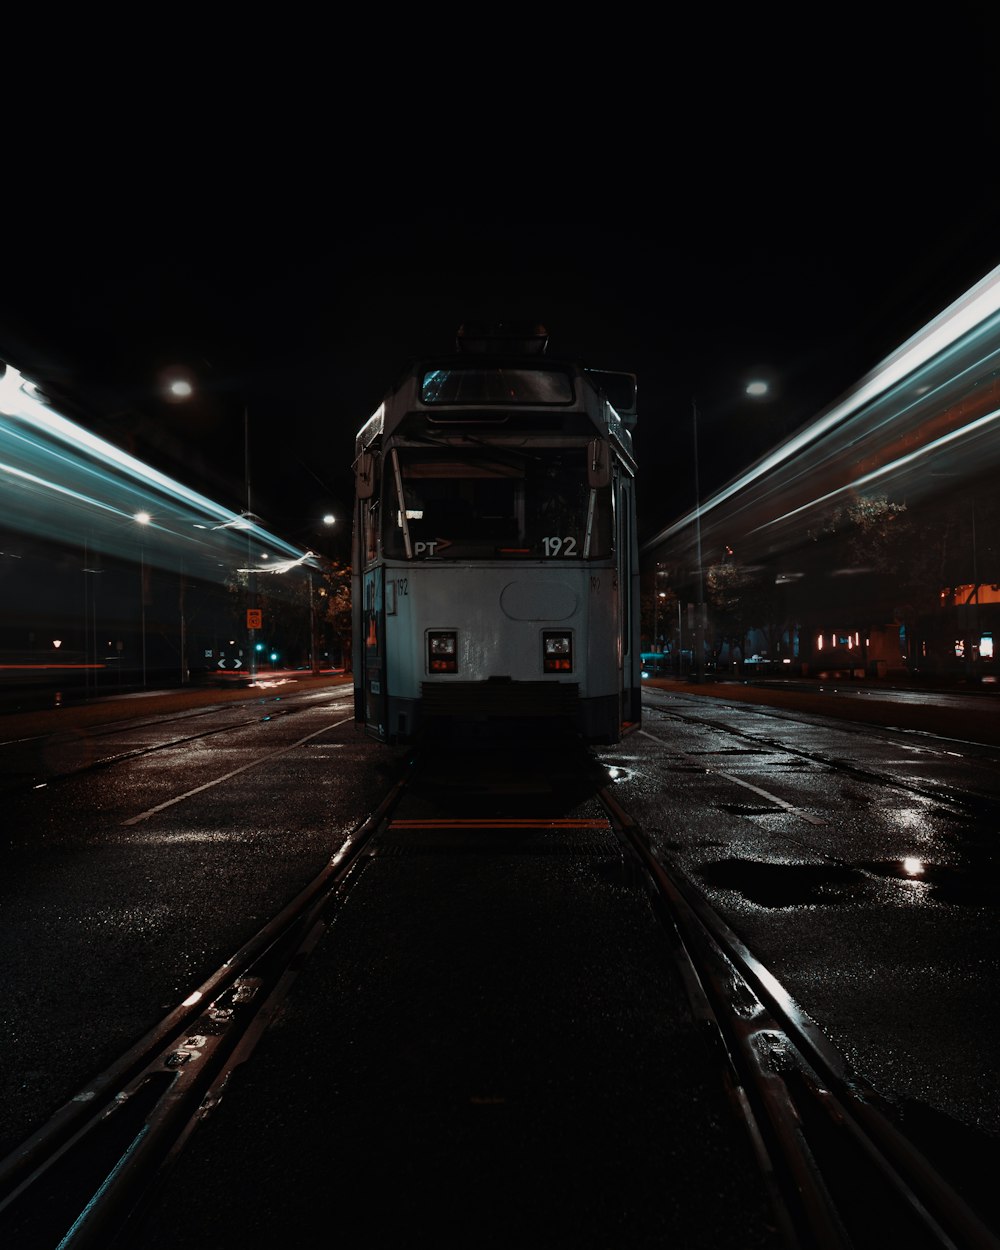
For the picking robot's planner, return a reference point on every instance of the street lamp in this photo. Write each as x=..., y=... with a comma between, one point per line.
x=329, y=521
x=90, y=570
x=699, y=630
x=251, y=574
x=757, y=388
x=178, y=387
x=142, y=519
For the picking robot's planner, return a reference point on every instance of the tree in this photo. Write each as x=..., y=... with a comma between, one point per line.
x=333, y=597
x=904, y=553
x=911, y=557
x=747, y=599
x=658, y=599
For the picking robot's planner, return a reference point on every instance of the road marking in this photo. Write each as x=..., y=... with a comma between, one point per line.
x=498, y=823
x=134, y=820
x=764, y=794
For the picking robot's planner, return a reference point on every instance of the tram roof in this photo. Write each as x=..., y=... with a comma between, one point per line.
x=463, y=388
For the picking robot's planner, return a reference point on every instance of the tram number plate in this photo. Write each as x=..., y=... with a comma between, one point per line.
x=556, y=546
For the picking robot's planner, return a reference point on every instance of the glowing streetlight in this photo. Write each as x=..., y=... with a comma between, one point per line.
x=178, y=387
x=757, y=388
x=329, y=520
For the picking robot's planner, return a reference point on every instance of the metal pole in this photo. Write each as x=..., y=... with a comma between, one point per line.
x=251, y=574
x=183, y=626
x=142, y=602
x=86, y=623
x=680, y=637
x=972, y=646
x=699, y=624
x=656, y=607
x=313, y=638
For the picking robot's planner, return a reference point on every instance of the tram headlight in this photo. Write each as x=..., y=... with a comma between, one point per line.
x=442, y=651
x=557, y=652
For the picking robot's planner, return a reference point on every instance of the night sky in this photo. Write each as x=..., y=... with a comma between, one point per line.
x=794, y=214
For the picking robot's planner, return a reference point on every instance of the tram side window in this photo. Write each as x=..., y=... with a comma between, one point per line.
x=370, y=511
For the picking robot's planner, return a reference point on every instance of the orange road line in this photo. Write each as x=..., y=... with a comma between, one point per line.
x=563, y=823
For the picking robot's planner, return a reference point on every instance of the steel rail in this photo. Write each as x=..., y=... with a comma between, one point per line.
x=936, y=793
x=28, y=783
x=813, y=1122
x=77, y=1181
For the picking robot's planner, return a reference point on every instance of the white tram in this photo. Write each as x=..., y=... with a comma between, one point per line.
x=495, y=558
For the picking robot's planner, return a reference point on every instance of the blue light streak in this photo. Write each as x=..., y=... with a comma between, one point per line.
x=60, y=482
x=883, y=434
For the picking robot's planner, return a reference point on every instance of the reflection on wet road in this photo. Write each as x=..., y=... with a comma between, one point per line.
x=878, y=910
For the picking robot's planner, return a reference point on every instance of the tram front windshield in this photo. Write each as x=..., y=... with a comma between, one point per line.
x=463, y=503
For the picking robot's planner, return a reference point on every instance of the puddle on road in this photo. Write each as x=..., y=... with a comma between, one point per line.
x=801, y=885
x=782, y=885
x=971, y=884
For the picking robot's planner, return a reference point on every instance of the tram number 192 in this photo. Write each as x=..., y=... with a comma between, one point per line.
x=559, y=546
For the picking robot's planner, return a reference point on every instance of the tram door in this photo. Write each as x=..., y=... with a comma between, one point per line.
x=628, y=624
x=375, y=699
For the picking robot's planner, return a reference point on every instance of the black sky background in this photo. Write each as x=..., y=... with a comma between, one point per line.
x=793, y=205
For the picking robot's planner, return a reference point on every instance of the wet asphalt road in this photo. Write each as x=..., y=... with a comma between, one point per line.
x=893, y=968
x=948, y=710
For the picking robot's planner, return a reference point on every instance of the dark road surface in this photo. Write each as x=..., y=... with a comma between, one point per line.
x=966, y=714
x=348, y=1118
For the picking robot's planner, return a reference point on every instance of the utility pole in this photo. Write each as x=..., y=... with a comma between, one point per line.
x=700, y=614
x=251, y=573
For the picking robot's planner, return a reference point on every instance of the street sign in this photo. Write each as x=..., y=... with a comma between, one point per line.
x=254, y=618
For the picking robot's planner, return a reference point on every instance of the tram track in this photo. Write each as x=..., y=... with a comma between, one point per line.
x=962, y=800
x=841, y=1171
x=38, y=760
x=82, y=1177
x=838, y=1171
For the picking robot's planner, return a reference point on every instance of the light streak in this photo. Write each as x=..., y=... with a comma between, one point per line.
x=972, y=312
x=35, y=413
x=62, y=480
x=893, y=467
x=57, y=488
x=283, y=566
